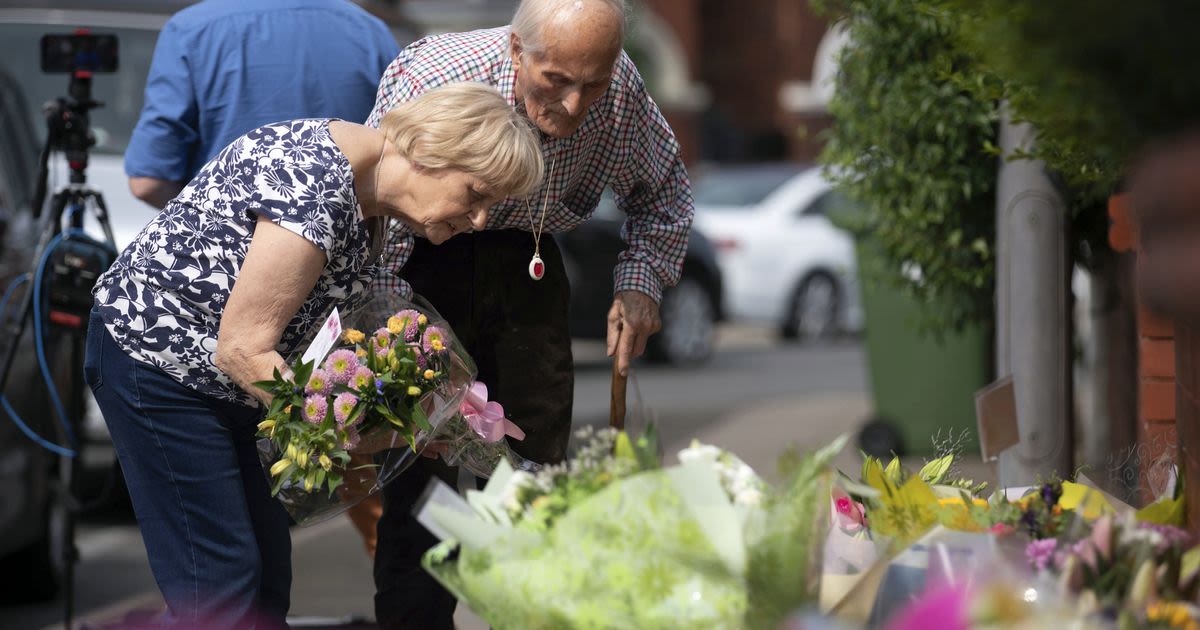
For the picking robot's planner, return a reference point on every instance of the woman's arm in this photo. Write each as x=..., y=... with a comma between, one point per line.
x=280, y=270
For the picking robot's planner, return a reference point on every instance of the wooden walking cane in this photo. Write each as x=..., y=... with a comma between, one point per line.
x=616, y=411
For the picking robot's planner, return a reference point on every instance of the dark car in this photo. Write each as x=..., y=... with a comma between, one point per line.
x=32, y=520
x=689, y=310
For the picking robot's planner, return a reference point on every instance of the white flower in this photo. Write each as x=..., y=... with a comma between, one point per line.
x=698, y=452
x=749, y=497
x=511, y=492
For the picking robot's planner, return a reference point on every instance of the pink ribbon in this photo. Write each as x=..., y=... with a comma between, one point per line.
x=486, y=418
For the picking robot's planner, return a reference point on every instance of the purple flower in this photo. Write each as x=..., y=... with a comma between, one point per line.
x=315, y=408
x=1040, y=553
x=343, y=406
x=379, y=386
x=1051, y=492
x=434, y=340
x=363, y=377
x=1029, y=521
x=408, y=319
x=319, y=383
x=1172, y=536
x=341, y=366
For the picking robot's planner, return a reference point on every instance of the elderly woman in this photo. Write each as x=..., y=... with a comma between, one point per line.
x=284, y=223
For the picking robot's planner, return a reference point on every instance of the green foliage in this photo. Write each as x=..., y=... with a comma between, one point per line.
x=913, y=144
x=1096, y=78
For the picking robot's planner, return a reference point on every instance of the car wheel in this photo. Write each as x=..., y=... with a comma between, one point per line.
x=813, y=312
x=688, y=325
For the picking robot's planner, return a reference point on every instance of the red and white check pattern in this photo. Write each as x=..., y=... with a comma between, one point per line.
x=624, y=143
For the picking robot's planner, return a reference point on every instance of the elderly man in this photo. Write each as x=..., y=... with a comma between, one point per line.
x=504, y=290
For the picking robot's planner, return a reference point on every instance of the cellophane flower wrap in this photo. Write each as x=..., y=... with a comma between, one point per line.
x=613, y=540
x=340, y=429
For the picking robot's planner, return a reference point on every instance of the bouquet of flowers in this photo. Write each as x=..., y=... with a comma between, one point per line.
x=339, y=428
x=613, y=540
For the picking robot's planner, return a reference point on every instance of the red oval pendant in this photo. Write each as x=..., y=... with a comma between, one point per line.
x=537, y=268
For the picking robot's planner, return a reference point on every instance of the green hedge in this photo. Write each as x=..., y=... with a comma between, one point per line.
x=912, y=142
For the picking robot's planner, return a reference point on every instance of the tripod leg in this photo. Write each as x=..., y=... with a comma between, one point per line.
x=17, y=329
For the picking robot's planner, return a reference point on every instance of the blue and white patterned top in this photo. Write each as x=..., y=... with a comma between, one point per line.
x=163, y=298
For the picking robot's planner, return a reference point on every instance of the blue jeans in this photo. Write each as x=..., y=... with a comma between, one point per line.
x=218, y=542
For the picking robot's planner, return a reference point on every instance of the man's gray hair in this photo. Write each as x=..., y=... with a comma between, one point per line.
x=533, y=15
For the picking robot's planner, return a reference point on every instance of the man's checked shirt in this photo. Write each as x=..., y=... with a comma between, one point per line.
x=623, y=143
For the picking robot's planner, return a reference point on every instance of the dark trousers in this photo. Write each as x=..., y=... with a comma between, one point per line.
x=218, y=543
x=516, y=329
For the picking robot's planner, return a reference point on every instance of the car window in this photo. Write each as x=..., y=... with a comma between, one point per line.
x=18, y=160
x=738, y=188
x=607, y=210
x=121, y=92
x=831, y=204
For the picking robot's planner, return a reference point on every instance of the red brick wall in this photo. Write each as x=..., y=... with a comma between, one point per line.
x=683, y=17
x=1187, y=377
x=1166, y=405
x=751, y=49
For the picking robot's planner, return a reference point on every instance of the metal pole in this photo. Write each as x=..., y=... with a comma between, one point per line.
x=1032, y=311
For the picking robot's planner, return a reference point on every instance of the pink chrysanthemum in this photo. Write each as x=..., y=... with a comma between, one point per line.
x=319, y=383
x=341, y=366
x=343, y=406
x=383, y=342
x=363, y=377
x=315, y=408
x=434, y=340
x=408, y=318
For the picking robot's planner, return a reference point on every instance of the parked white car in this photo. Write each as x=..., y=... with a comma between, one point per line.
x=783, y=260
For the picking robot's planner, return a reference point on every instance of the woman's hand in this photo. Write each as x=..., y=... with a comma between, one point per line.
x=280, y=270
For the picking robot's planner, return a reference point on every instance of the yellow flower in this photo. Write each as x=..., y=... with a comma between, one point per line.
x=429, y=374
x=422, y=320
x=310, y=480
x=266, y=424
x=1173, y=614
x=360, y=353
x=302, y=459
x=413, y=390
x=395, y=325
x=288, y=410
x=326, y=463
x=352, y=335
x=437, y=345
x=955, y=514
x=291, y=451
x=278, y=467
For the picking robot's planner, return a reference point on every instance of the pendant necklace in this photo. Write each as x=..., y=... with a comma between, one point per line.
x=537, y=268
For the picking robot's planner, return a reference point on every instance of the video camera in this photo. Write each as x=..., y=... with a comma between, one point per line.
x=80, y=54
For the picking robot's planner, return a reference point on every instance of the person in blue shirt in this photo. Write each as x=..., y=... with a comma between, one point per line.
x=224, y=67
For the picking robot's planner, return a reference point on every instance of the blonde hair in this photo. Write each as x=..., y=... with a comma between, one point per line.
x=468, y=127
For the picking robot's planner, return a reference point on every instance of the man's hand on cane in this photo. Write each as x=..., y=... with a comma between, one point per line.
x=631, y=320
